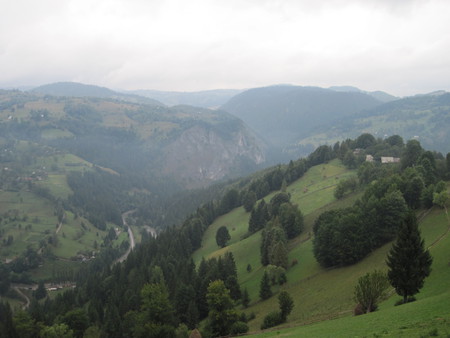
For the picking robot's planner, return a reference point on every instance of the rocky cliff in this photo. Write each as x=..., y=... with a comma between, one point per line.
x=206, y=153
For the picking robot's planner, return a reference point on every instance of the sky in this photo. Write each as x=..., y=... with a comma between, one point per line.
x=398, y=46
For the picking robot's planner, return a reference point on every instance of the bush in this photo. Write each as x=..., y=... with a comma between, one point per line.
x=272, y=319
x=238, y=328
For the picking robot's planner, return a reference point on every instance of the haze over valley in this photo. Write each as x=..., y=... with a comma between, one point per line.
x=226, y=168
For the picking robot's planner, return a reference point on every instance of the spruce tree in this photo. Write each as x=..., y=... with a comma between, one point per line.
x=245, y=298
x=40, y=292
x=264, y=291
x=408, y=261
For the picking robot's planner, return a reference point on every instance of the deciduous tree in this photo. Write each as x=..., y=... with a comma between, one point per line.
x=221, y=310
x=370, y=289
x=222, y=236
x=286, y=304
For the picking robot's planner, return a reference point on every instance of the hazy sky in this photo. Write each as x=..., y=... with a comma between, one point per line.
x=399, y=46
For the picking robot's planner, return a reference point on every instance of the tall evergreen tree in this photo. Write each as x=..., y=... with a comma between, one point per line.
x=408, y=261
x=447, y=161
x=249, y=200
x=40, y=292
x=245, y=298
x=7, y=328
x=258, y=217
x=264, y=291
x=291, y=219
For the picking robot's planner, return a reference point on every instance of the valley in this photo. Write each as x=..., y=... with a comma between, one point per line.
x=87, y=182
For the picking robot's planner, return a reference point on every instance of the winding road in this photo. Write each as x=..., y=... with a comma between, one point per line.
x=130, y=235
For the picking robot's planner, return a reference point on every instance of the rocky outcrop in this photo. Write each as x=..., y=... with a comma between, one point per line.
x=205, y=153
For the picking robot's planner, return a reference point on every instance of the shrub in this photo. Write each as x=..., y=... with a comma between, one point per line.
x=272, y=319
x=238, y=327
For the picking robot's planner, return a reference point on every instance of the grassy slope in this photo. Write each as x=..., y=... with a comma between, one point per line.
x=428, y=316
x=319, y=182
x=72, y=237
x=328, y=294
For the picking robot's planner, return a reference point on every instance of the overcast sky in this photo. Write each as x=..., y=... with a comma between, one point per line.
x=399, y=46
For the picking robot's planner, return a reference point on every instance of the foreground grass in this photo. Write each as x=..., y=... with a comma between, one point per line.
x=424, y=318
x=328, y=295
x=324, y=298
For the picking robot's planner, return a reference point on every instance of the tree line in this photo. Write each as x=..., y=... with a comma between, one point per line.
x=345, y=236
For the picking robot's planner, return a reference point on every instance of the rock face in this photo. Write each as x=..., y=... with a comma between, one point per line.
x=205, y=153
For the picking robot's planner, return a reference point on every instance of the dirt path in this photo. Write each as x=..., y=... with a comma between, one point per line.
x=24, y=296
x=60, y=223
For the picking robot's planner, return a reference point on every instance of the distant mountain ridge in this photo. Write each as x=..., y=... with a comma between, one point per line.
x=189, y=146
x=75, y=89
x=423, y=117
x=206, y=98
x=379, y=95
x=285, y=113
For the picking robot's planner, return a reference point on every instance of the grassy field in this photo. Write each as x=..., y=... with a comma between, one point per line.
x=30, y=219
x=317, y=185
x=324, y=298
x=428, y=316
x=26, y=218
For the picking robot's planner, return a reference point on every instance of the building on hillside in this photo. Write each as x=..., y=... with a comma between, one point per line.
x=389, y=159
x=369, y=158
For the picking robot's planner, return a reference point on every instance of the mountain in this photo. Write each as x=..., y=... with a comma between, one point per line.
x=81, y=163
x=379, y=95
x=193, y=146
x=284, y=113
x=423, y=117
x=74, y=89
x=206, y=99
x=172, y=278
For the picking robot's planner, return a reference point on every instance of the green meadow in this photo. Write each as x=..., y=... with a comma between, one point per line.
x=30, y=220
x=324, y=297
x=428, y=316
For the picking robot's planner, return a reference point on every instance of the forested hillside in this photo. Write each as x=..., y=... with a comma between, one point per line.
x=423, y=117
x=283, y=114
x=71, y=167
x=272, y=250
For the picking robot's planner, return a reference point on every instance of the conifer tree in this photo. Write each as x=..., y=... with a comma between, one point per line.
x=408, y=261
x=245, y=298
x=264, y=291
x=40, y=292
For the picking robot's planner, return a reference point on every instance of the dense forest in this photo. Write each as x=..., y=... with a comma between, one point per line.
x=158, y=291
